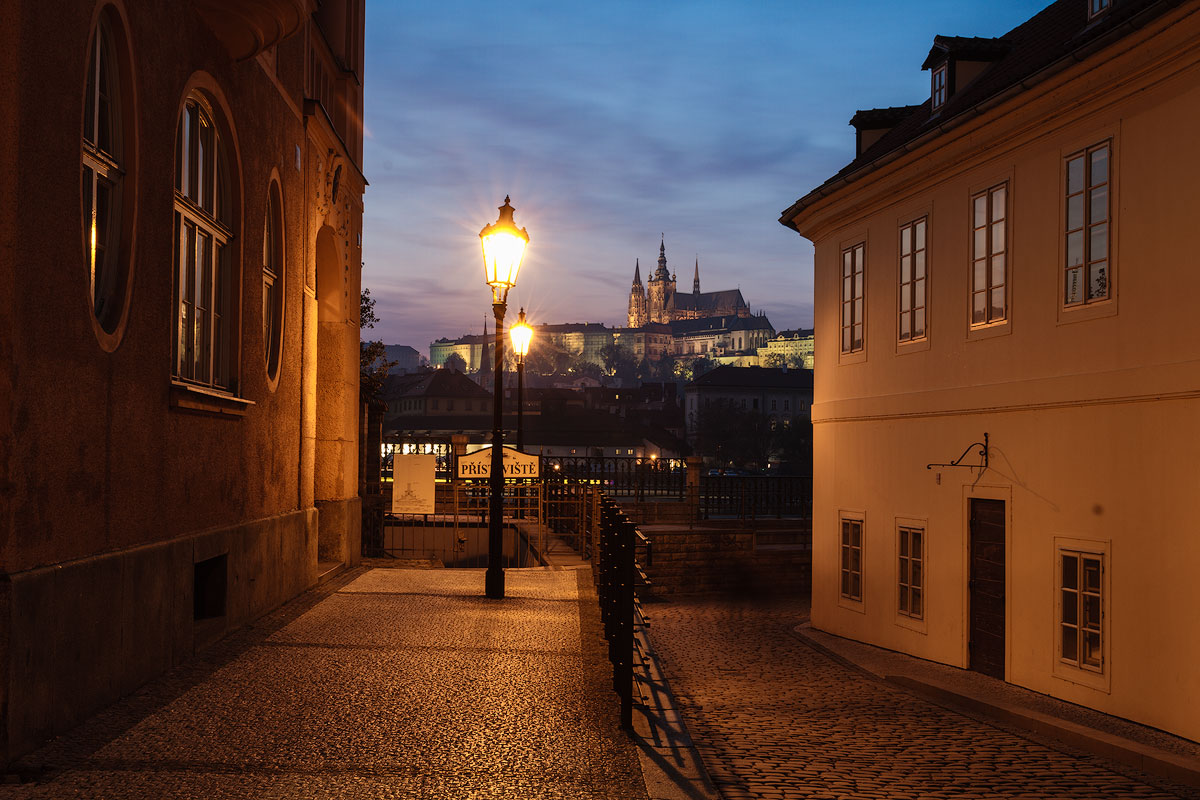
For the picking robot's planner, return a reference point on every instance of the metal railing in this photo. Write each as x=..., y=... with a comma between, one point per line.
x=753, y=496
x=622, y=476
x=618, y=575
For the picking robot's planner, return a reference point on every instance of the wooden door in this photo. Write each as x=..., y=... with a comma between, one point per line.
x=987, y=587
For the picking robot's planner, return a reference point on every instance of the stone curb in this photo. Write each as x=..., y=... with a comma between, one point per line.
x=1147, y=759
x=671, y=766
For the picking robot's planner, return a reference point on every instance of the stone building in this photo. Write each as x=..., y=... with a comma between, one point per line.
x=1006, y=400
x=178, y=370
x=658, y=302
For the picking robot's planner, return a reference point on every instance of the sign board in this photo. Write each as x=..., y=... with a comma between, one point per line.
x=516, y=465
x=412, y=483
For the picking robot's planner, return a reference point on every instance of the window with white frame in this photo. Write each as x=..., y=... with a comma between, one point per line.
x=938, y=82
x=205, y=286
x=989, y=251
x=103, y=169
x=851, y=573
x=1087, y=227
x=912, y=281
x=911, y=577
x=1081, y=609
x=853, y=272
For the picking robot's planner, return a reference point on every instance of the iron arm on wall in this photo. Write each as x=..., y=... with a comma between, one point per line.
x=983, y=451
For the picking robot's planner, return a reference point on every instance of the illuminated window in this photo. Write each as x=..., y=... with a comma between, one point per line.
x=205, y=284
x=912, y=281
x=273, y=282
x=851, y=587
x=852, y=298
x=1081, y=609
x=938, y=86
x=989, y=249
x=912, y=572
x=1087, y=227
x=104, y=146
x=1098, y=7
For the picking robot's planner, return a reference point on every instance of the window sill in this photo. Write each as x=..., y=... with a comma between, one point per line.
x=912, y=345
x=853, y=357
x=1084, y=312
x=850, y=604
x=990, y=330
x=914, y=624
x=197, y=399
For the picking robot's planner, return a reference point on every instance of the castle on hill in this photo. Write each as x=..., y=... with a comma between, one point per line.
x=658, y=302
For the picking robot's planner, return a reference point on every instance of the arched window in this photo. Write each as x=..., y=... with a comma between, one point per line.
x=103, y=167
x=204, y=283
x=273, y=281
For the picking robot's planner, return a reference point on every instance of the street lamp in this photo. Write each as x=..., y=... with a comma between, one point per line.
x=503, y=247
x=521, y=335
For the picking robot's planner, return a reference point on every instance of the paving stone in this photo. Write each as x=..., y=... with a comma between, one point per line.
x=775, y=717
x=390, y=684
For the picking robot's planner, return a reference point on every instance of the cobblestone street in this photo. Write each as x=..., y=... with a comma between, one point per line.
x=775, y=717
x=388, y=683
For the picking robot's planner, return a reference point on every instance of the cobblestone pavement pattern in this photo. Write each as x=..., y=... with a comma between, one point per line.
x=774, y=717
x=392, y=684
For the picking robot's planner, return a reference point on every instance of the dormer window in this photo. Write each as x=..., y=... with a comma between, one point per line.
x=938, y=83
x=1097, y=7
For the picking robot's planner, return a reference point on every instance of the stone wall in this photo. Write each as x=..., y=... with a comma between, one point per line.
x=743, y=556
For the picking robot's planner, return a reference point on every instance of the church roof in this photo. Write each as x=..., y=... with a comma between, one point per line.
x=709, y=301
x=444, y=383
x=729, y=322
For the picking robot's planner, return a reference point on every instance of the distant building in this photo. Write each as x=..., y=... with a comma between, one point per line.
x=794, y=346
x=781, y=395
x=474, y=349
x=439, y=392
x=408, y=359
x=717, y=337
x=1005, y=278
x=658, y=302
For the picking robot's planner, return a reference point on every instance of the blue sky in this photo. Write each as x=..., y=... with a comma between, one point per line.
x=610, y=123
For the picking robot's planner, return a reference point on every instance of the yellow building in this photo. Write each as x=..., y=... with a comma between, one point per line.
x=793, y=348
x=1004, y=273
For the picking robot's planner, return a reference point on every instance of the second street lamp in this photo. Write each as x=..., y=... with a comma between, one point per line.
x=503, y=248
x=521, y=334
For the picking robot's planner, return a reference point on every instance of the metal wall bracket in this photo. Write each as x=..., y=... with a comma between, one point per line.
x=983, y=451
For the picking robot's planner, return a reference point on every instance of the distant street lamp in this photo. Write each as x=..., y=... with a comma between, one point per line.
x=503, y=247
x=521, y=335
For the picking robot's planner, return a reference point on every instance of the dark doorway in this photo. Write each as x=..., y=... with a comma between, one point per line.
x=987, y=587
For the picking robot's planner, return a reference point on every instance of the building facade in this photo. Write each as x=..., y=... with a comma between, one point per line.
x=795, y=348
x=178, y=371
x=1007, y=392
x=782, y=396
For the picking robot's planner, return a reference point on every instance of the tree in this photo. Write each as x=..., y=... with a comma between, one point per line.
x=619, y=362
x=774, y=360
x=455, y=362
x=373, y=365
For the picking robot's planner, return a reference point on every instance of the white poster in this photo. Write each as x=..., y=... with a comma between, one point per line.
x=412, y=483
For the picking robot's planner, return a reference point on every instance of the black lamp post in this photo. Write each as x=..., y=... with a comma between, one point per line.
x=503, y=247
x=521, y=334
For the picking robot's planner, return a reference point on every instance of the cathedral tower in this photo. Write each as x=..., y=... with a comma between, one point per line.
x=661, y=289
x=637, y=298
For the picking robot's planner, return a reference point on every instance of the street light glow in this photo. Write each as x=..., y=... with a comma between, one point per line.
x=521, y=335
x=503, y=248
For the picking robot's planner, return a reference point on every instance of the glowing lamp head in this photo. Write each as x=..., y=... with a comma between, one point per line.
x=521, y=335
x=503, y=247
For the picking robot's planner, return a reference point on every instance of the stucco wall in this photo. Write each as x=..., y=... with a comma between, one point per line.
x=1092, y=413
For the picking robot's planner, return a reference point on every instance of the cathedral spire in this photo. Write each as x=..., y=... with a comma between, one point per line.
x=696, y=279
x=637, y=272
x=661, y=273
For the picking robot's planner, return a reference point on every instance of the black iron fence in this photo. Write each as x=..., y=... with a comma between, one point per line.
x=622, y=476
x=753, y=496
x=618, y=574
